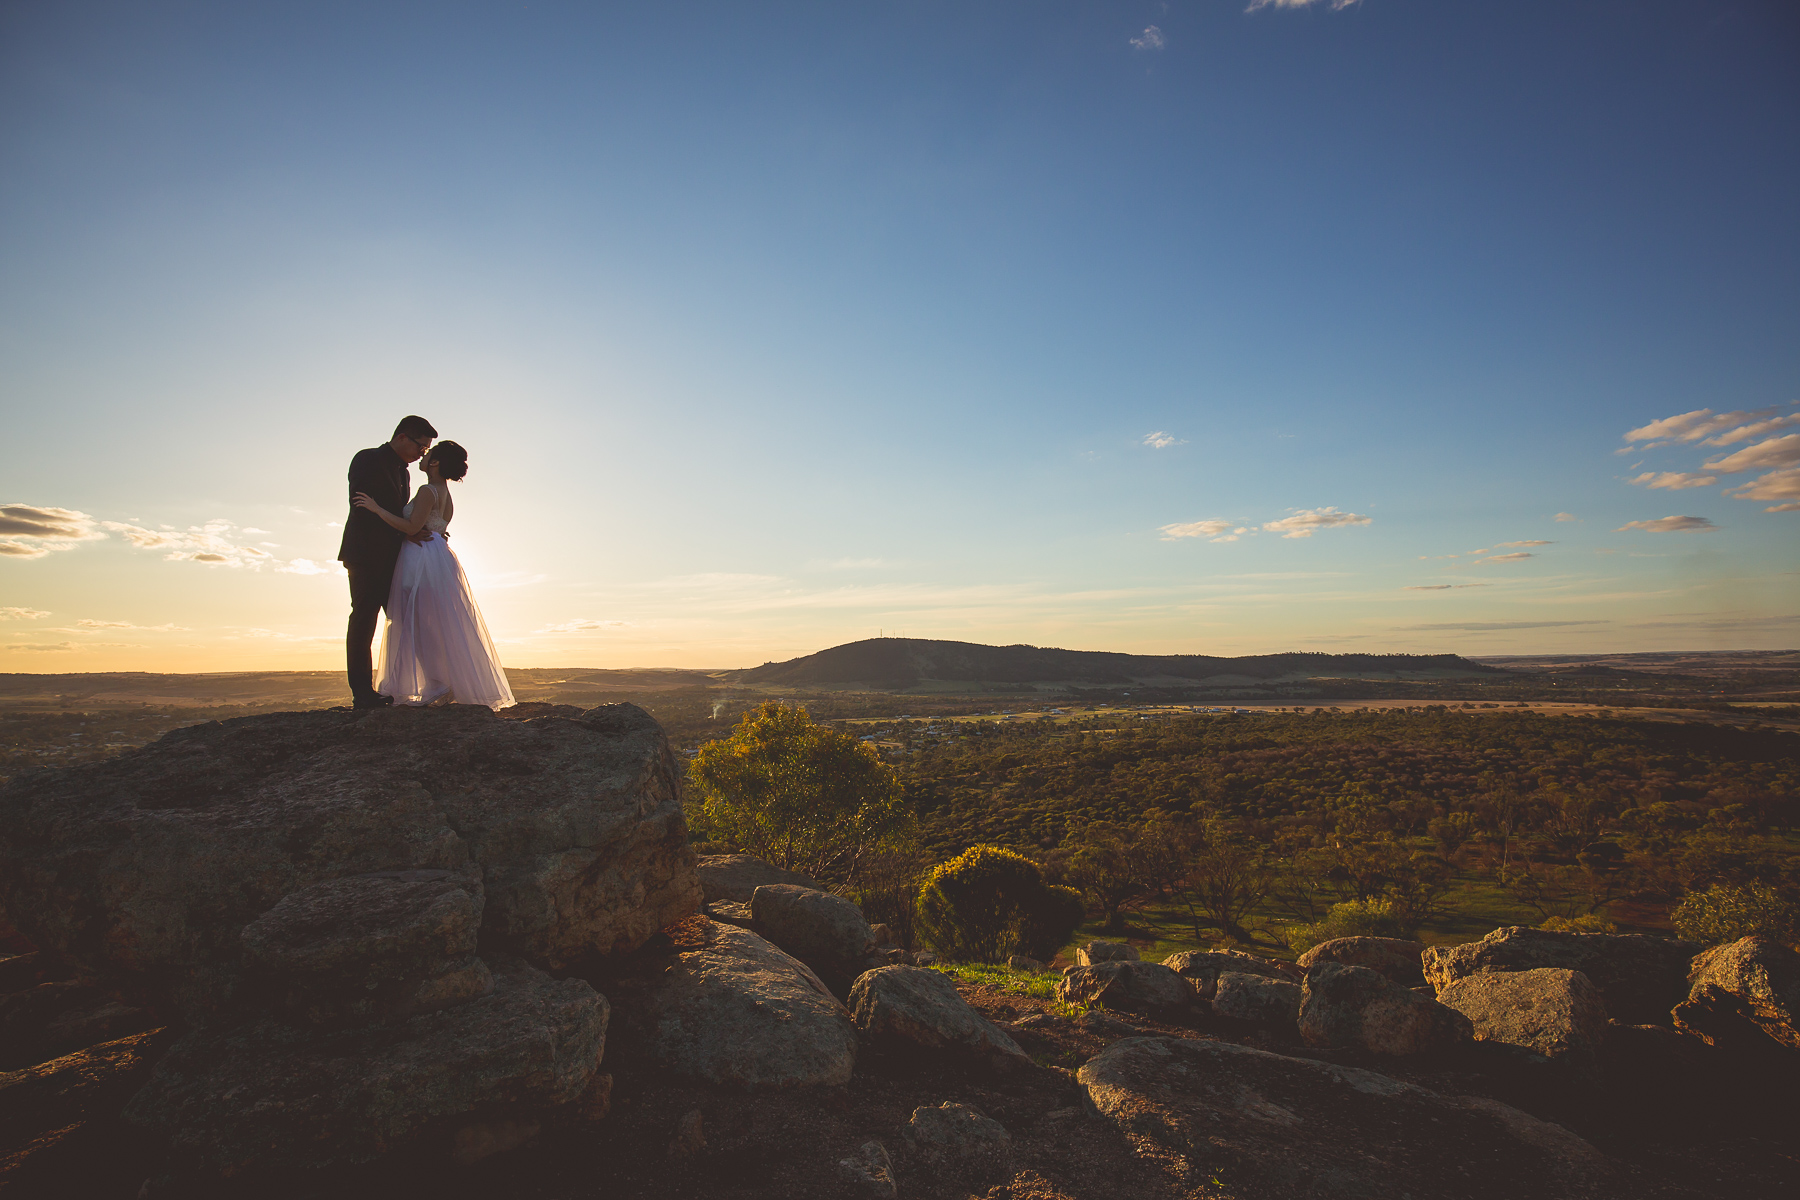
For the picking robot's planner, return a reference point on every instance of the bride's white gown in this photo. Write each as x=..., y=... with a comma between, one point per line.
x=435, y=645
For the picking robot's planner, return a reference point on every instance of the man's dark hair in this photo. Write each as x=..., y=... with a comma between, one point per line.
x=415, y=427
x=451, y=459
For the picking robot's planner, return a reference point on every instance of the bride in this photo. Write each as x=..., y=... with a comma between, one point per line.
x=436, y=647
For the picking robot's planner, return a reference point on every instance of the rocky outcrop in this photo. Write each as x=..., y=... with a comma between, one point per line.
x=1397, y=958
x=826, y=932
x=1127, y=986
x=733, y=1010
x=144, y=870
x=1744, y=995
x=920, y=1007
x=265, y=1096
x=1256, y=998
x=385, y=944
x=1202, y=968
x=737, y=876
x=1547, y=1014
x=1270, y=1127
x=1357, y=1007
x=1640, y=977
x=1100, y=952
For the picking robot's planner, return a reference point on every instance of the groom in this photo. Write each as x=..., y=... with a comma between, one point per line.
x=371, y=545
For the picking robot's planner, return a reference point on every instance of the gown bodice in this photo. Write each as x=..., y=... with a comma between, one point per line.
x=437, y=522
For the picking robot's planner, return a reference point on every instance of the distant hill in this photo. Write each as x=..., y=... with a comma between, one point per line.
x=895, y=664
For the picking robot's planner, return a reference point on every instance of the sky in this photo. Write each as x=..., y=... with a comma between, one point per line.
x=1191, y=327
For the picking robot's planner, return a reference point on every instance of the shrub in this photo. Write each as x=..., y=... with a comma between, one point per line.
x=803, y=796
x=988, y=903
x=1725, y=913
x=1051, y=921
x=887, y=890
x=1585, y=923
x=1353, y=918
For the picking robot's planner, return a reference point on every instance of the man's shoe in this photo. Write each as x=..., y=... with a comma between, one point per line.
x=384, y=700
x=372, y=700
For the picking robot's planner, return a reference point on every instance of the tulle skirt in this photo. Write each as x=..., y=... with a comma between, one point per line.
x=435, y=646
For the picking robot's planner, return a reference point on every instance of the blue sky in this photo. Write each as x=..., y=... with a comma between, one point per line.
x=768, y=327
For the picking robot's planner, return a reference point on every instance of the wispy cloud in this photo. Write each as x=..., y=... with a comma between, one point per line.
x=1776, y=485
x=46, y=647
x=1567, y=517
x=1704, y=423
x=306, y=566
x=583, y=626
x=1196, y=529
x=1671, y=525
x=1776, y=452
x=1438, y=587
x=1334, y=5
x=1150, y=39
x=845, y=564
x=1305, y=521
x=21, y=614
x=87, y=623
x=1482, y=626
x=1534, y=542
x=1674, y=481
x=32, y=530
x=1515, y=556
x=1162, y=441
x=1756, y=429
x=213, y=544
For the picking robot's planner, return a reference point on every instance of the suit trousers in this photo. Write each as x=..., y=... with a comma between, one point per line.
x=369, y=585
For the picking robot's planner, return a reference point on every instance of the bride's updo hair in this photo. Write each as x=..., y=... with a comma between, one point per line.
x=451, y=459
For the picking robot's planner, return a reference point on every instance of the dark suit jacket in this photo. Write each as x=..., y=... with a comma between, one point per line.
x=370, y=541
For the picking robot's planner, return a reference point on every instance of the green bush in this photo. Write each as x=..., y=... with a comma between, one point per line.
x=801, y=795
x=1725, y=913
x=1373, y=917
x=989, y=902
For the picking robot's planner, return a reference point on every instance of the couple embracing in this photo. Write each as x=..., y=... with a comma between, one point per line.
x=435, y=648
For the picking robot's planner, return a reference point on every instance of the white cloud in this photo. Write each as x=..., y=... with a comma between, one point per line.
x=32, y=530
x=87, y=624
x=1536, y=542
x=1567, y=517
x=1776, y=452
x=1776, y=485
x=1162, y=441
x=1670, y=525
x=1438, y=587
x=21, y=614
x=1675, y=481
x=1306, y=520
x=1513, y=557
x=1195, y=529
x=48, y=647
x=1150, y=39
